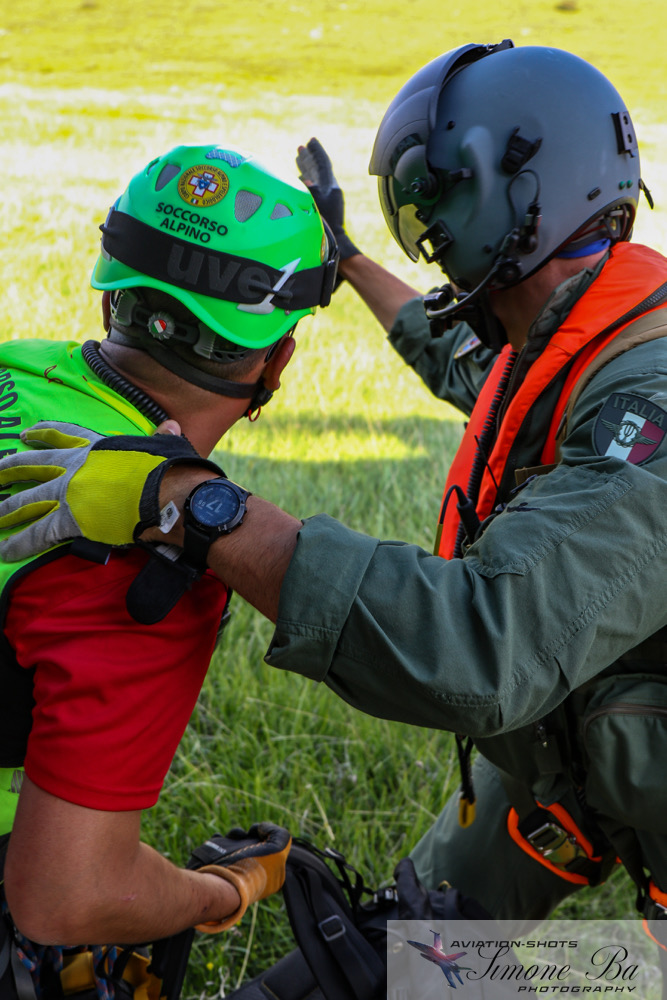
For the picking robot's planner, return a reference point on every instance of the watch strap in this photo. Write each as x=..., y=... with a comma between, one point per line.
x=196, y=543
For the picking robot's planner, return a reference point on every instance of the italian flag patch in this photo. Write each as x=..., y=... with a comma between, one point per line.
x=629, y=427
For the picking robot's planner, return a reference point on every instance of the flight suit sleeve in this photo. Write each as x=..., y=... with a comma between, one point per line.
x=453, y=366
x=563, y=581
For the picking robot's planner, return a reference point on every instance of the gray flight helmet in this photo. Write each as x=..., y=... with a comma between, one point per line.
x=493, y=158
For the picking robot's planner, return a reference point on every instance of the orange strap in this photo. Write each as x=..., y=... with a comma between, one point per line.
x=565, y=820
x=651, y=325
x=656, y=894
x=460, y=468
x=632, y=273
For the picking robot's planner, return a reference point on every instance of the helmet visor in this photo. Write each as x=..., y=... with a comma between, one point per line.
x=400, y=216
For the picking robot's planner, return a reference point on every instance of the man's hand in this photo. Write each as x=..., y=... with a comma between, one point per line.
x=317, y=174
x=105, y=489
x=252, y=860
x=110, y=489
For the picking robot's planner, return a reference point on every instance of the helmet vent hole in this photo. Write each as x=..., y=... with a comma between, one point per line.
x=245, y=205
x=281, y=211
x=169, y=171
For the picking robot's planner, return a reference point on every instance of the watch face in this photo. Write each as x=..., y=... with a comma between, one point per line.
x=215, y=504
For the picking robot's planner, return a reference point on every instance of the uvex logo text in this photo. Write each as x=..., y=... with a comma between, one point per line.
x=209, y=274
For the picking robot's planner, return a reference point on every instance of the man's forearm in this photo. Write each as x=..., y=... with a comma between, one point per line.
x=382, y=291
x=252, y=559
x=67, y=890
x=144, y=901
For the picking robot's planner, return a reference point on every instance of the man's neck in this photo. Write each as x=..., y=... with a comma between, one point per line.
x=204, y=417
x=519, y=306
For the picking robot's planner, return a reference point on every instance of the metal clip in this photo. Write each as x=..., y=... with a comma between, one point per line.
x=556, y=844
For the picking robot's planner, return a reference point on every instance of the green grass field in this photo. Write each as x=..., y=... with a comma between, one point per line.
x=89, y=92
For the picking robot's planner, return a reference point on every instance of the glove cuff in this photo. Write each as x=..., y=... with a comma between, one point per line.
x=249, y=878
x=149, y=504
x=346, y=247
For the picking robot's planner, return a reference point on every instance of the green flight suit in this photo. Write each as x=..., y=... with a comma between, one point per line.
x=545, y=625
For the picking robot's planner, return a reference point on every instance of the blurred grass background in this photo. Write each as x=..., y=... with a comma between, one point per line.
x=89, y=92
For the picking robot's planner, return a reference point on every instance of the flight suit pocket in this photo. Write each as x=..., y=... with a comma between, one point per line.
x=567, y=505
x=624, y=735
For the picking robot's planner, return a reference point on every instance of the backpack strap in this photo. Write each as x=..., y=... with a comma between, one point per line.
x=169, y=962
x=343, y=961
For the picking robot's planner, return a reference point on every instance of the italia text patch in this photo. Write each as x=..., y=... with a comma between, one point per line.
x=629, y=427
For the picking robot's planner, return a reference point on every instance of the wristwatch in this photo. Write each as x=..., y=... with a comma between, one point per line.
x=212, y=509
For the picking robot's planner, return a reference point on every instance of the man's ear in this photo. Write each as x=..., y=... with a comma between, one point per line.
x=278, y=362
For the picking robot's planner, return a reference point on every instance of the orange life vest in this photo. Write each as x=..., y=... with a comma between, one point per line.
x=629, y=277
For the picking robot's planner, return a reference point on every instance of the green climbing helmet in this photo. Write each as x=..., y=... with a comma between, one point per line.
x=243, y=250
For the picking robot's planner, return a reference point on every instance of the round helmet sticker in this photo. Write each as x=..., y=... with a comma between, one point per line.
x=203, y=186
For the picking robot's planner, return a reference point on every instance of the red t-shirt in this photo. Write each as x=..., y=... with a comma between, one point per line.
x=112, y=697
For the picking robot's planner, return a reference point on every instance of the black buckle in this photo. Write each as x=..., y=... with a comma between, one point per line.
x=440, y=239
x=625, y=133
x=653, y=910
x=96, y=552
x=518, y=152
x=336, y=931
x=329, y=280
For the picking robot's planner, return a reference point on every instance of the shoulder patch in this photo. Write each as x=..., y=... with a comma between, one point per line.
x=629, y=427
x=467, y=347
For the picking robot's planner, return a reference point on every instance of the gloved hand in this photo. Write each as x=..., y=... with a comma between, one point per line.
x=252, y=860
x=416, y=902
x=80, y=477
x=413, y=897
x=317, y=174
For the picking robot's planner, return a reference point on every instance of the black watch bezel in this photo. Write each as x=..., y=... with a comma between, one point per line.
x=199, y=536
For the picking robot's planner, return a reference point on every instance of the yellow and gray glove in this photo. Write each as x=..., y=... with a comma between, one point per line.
x=105, y=489
x=252, y=860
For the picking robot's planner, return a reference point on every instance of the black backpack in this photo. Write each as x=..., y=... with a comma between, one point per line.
x=340, y=928
x=339, y=925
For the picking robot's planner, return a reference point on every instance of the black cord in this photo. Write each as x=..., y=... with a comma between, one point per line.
x=466, y=509
x=464, y=747
x=535, y=201
x=488, y=431
x=111, y=378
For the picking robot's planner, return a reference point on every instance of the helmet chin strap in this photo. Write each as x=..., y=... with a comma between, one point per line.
x=256, y=392
x=449, y=305
x=473, y=308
